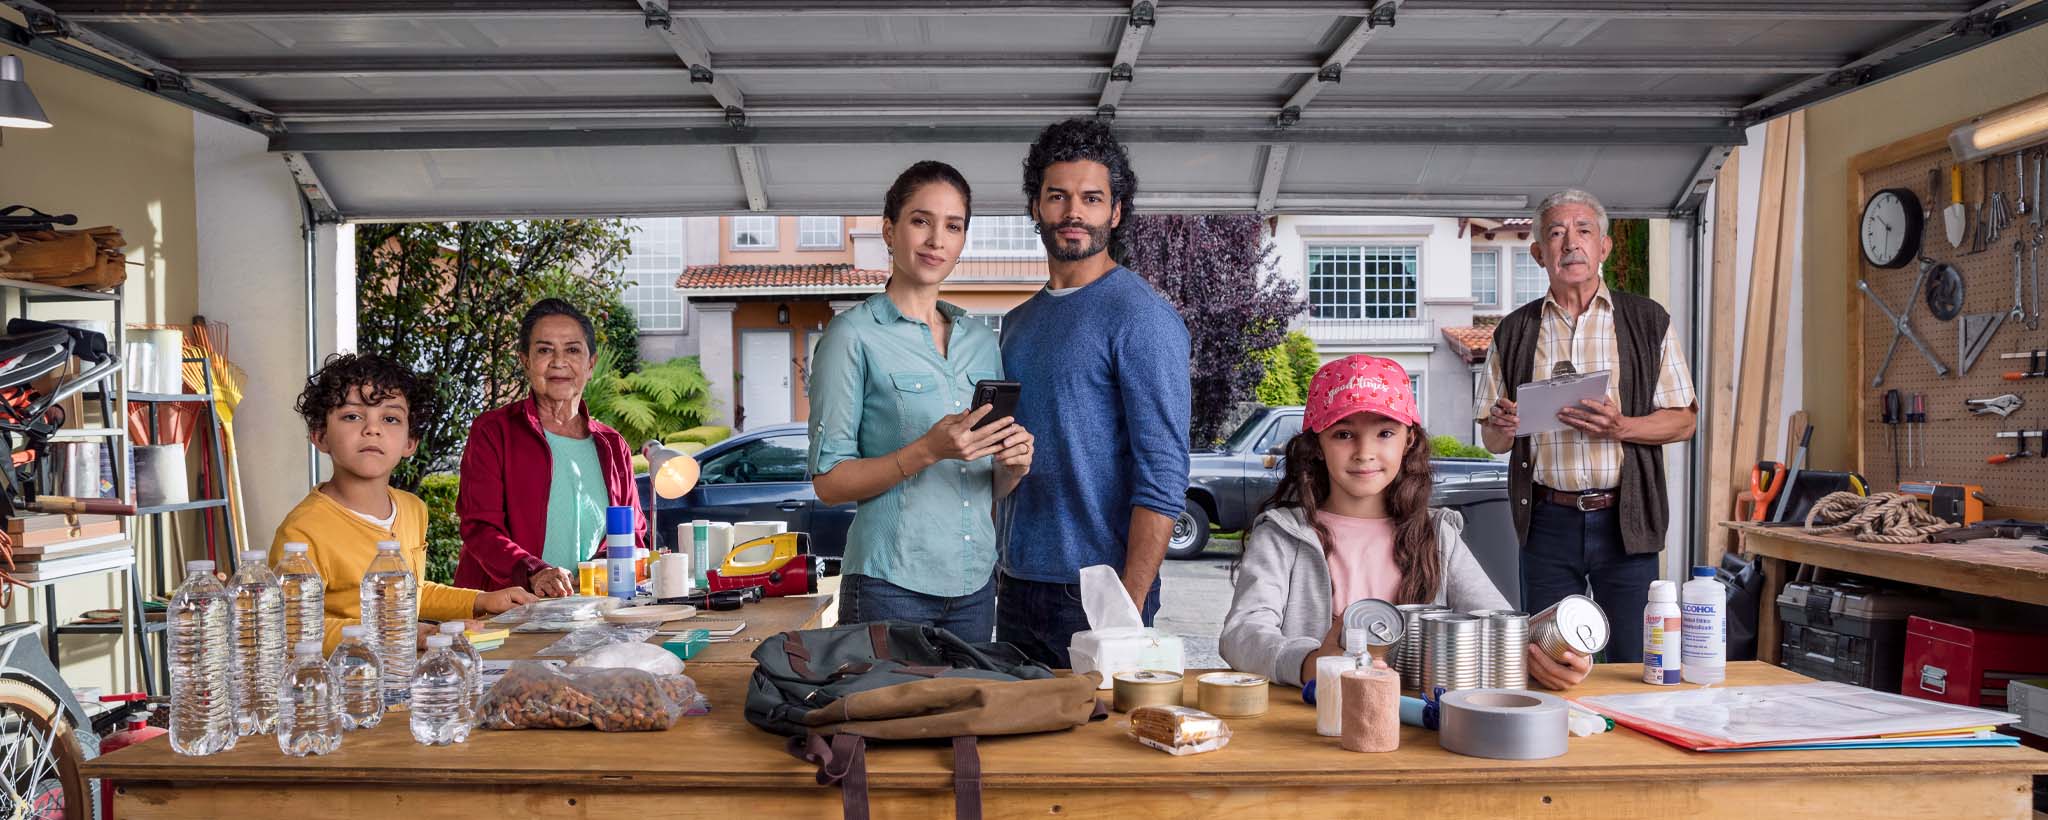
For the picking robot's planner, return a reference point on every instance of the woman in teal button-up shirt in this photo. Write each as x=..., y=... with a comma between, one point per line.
x=891, y=427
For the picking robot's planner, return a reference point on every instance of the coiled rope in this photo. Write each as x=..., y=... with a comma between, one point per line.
x=1885, y=518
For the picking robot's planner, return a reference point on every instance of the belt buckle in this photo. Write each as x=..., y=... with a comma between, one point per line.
x=1580, y=502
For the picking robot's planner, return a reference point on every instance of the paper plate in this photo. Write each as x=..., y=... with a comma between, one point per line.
x=650, y=614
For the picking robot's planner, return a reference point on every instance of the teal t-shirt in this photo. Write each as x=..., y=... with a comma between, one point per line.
x=576, y=501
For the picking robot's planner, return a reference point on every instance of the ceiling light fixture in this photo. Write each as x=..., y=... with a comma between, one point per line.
x=18, y=106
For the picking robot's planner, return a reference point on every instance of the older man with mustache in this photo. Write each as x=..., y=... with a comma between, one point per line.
x=1590, y=502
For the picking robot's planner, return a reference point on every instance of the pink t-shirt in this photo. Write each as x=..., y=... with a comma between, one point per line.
x=1361, y=559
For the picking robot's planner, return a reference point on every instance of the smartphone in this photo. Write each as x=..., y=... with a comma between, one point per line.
x=1002, y=395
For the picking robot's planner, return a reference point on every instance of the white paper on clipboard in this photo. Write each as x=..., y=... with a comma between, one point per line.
x=1537, y=403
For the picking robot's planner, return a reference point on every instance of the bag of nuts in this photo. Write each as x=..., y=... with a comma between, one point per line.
x=536, y=696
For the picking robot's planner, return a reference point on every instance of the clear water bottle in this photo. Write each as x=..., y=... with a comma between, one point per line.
x=202, y=700
x=305, y=595
x=309, y=715
x=390, y=600
x=258, y=628
x=440, y=709
x=472, y=661
x=360, y=674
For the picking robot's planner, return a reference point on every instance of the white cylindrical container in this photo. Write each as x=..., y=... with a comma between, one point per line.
x=1329, y=695
x=1661, y=631
x=672, y=575
x=1705, y=642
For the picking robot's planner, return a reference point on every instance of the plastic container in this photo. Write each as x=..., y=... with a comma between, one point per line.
x=1848, y=631
x=309, y=718
x=257, y=624
x=1329, y=694
x=360, y=673
x=441, y=714
x=305, y=595
x=700, y=550
x=390, y=608
x=202, y=698
x=1704, y=657
x=1662, y=628
x=621, y=576
x=472, y=661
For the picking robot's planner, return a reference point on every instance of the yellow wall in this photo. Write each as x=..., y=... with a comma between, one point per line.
x=115, y=157
x=1836, y=132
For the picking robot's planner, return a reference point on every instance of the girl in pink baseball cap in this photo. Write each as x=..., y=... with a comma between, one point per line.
x=1351, y=520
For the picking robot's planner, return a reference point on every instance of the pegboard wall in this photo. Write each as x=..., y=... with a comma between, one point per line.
x=1952, y=445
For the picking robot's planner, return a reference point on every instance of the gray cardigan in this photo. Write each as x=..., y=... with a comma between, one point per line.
x=1281, y=609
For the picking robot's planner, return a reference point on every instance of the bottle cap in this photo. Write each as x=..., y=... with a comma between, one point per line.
x=253, y=556
x=295, y=546
x=387, y=546
x=1356, y=639
x=352, y=631
x=618, y=520
x=306, y=648
x=194, y=567
x=453, y=627
x=1663, y=592
x=439, y=641
x=1702, y=572
x=701, y=523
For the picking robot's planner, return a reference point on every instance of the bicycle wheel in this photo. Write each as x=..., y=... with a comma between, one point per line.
x=40, y=758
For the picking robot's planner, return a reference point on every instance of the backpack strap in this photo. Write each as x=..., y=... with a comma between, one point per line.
x=842, y=760
x=878, y=634
x=966, y=778
x=799, y=655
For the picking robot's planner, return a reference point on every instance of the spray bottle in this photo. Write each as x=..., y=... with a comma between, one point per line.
x=620, y=580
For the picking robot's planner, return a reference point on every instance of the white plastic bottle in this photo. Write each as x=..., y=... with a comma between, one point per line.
x=440, y=710
x=360, y=673
x=390, y=607
x=259, y=640
x=1329, y=701
x=305, y=595
x=1661, y=634
x=309, y=705
x=202, y=698
x=1705, y=641
x=472, y=661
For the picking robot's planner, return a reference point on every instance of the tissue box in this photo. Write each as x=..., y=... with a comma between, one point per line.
x=1124, y=649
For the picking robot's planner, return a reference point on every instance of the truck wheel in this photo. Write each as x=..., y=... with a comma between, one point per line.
x=1190, y=532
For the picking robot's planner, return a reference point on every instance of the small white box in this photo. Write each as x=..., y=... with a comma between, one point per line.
x=1125, y=649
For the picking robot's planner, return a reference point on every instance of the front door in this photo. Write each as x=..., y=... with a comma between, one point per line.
x=764, y=378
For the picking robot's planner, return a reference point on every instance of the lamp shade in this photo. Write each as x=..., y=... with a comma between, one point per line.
x=673, y=472
x=18, y=106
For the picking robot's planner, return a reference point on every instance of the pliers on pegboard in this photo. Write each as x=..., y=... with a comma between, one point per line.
x=2004, y=405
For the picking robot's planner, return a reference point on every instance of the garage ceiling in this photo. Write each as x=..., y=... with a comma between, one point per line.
x=442, y=109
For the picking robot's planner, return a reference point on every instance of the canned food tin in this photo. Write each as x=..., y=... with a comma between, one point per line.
x=1146, y=687
x=1232, y=694
x=1574, y=623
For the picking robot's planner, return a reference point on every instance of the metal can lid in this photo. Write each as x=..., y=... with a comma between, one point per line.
x=1581, y=624
x=1382, y=622
x=1232, y=679
x=1148, y=676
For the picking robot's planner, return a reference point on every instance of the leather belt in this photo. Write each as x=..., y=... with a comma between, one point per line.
x=1588, y=501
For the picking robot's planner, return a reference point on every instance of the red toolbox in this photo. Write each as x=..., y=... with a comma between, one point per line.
x=1968, y=665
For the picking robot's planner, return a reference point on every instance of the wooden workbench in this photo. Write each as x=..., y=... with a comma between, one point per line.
x=1995, y=567
x=718, y=766
x=764, y=618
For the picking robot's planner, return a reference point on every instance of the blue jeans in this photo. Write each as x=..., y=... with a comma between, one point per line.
x=865, y=598
x=1040, y=618
x=1566, y=550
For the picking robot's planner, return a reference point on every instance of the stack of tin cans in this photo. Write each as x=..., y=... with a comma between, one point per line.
x=1452, y=644
x=1504, y=664
x=1407, y=654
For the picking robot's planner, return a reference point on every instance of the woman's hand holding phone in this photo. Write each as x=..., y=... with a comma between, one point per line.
x=954, y=436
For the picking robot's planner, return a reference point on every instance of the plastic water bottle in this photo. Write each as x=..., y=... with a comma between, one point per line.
x=622, y=582
x=390, y=601
x=360, y=673
x=1706, y=628
x=202, y=700
x=305, y=595
x=309, y=714
x=440, y=710
x=472, y=661
x=1661, y=635
x=1329, y=695
x=258, y=628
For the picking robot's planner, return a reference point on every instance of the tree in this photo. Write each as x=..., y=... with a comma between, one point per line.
x=1289, y=367
x=446, y=299
x=1217, y=271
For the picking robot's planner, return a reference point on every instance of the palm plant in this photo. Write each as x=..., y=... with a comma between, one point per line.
x=658, y=400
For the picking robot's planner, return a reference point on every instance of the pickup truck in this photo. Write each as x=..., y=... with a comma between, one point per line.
x=1227, y=485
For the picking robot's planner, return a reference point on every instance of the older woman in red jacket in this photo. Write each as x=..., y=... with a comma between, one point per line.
x=538, y=473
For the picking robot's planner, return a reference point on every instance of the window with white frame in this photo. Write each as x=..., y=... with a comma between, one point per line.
x=1531, y=280
x=1421, y=407
x=753, y=233
x=820, y=233
x=650, y=273
x=1485, y=278
x=1362, y=282
x=1002, y=236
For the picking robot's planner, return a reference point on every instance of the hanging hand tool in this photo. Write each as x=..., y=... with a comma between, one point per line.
x=2040, y=235
x=2019, y=269
x=2019, y=193
x=1997, y=217
x=1916, y=444
x=1973, y=335
x=1945, y=293
x=2004, y=405
x=2022, y=452
x=1894, y=412
x=2037, y=365
x=1902, y=326
x=1766, y=481
x=1955, y=219
x=1979, y=241
x=1792, y=478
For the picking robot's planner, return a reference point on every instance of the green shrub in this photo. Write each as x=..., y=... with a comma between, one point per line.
x=444, y=531
x=1278, y=388
x=1449, y=447
x=675, y=438
x=639, y=464
x=691, y=448
x=646, y=405
x=706, y=435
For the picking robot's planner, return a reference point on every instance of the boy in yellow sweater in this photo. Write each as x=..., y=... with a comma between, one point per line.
x=360, y=411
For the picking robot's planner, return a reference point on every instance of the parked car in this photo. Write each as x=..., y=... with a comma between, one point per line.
x=758, y=475
x=1227, y=485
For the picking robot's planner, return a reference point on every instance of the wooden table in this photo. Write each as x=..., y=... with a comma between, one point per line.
x=765, y=618
x=718, y=766
x=1995, y=567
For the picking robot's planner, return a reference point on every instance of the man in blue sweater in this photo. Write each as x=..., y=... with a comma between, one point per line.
x=1104, y=365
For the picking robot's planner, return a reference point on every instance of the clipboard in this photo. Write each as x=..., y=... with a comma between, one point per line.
x=1537, y=403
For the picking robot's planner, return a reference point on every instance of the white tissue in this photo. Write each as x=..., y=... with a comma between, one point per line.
x=1117, y=639
x=1104, y=599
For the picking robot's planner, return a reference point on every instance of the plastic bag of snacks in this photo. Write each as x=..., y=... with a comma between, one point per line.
x=595, y=637
x=578, y=608
x=535, y=696
x=1178, y=730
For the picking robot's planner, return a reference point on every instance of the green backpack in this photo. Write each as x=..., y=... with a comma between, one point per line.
x=830, y=690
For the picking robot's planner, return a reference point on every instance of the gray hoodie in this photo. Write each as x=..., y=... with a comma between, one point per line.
x=1281, y=609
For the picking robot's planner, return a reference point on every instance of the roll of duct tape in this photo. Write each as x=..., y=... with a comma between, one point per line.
x=1232, y=694
x=1503, y=724
x=1147, y=687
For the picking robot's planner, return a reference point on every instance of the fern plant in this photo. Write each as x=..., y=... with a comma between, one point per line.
x=657, y=400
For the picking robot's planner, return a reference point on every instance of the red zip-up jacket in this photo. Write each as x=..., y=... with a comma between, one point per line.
x=503, y=500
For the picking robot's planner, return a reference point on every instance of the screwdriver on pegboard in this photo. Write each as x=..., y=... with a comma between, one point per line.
x=1894, y=412
x=1916, y=445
